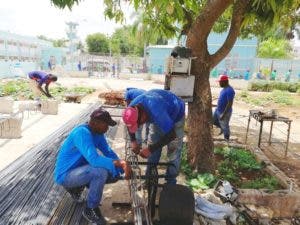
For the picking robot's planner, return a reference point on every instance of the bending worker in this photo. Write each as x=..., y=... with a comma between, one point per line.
x=79, y=164
x=165, y=112
x=130, y=94
x=37, y=79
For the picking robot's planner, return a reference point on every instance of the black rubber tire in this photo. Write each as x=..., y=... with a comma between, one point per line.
x=176, y=205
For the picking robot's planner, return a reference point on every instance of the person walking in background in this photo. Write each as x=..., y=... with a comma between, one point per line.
x=247, y=74
x=113, y=70
x=49, y=65
x=79, y=66
x=287, y=75
x=37, y=80
x=131, y=94
x=166, y=114
x=273, y=75
x=79, y=165
x=259, y=75
x=222, y=113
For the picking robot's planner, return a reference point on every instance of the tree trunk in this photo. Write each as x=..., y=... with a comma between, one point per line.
x=200, y=153
x=200, y=143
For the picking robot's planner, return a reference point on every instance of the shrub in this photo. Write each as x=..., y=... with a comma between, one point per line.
x=268, y=86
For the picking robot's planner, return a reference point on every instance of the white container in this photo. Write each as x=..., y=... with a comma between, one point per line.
x=11, y=127
x=177, y=65
x=6, y=105
x=49, y=107
x=182, y=86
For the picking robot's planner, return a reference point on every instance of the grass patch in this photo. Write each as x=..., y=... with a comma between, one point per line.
x=275, y=97
x=267, y=86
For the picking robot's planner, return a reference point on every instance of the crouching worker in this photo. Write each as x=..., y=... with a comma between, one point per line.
x=79, y=164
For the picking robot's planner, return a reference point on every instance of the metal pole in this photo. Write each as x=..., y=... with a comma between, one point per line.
x=260, y=132
x=248, y=127
x=270, y=135
x=288, y=138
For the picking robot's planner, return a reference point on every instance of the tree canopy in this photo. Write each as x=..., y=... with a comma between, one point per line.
x=275, y=49
x=97, y=43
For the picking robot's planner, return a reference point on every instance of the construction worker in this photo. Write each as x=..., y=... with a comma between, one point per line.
x=37, y=79
x=222, y=114
x=130, y=94
x=166, y=113
x=79, y=165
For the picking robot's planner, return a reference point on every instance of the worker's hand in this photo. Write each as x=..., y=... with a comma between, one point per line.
x=125, y=166
x=145, y=153
x=135, y=147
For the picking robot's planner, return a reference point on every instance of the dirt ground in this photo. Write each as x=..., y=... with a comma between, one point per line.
x=290, y=164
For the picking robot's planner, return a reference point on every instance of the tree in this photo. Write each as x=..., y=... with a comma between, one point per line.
x=97, y=43
x=196, y=19
x=275, y=49
x=124, y=41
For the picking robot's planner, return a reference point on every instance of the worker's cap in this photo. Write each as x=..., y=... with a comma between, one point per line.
x=223, y=78
x=103, y=115
x=130, y=118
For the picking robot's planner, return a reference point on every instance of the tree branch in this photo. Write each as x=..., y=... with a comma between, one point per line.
x=197, y=36
x=239, y=10
x=208, y=16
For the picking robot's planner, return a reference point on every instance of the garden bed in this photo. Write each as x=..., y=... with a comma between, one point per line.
x=236, y=165
x=19, y=89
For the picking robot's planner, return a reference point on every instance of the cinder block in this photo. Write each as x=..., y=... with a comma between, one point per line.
x=6, y=105
x=49, y=107
x=11, y=128
x=28, y=105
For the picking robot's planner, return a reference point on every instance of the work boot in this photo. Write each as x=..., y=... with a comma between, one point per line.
x=94, y=216
x=76, y=194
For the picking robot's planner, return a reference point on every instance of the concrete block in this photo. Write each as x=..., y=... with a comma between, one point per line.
x=6, y=105
x=28, y=106
x=11, y=127
x=49, y=107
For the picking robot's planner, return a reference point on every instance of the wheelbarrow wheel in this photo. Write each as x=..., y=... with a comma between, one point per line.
x=176, y=205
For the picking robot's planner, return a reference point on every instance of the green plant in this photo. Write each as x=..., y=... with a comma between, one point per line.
x=202, y=181
x=266, y=182
x=280, y=97
x=184, y=165
x=82, y=90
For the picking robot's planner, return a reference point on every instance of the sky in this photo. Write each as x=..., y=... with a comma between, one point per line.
x=40, y=17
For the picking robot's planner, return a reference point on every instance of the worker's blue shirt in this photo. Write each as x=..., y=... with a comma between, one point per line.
x=40, y=76
x=163, y=108
x=132, y=93
x=80, y=148
x=226, y=95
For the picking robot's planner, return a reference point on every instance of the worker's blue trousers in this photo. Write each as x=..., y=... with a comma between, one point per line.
x=90, y=176
x=174, y=149
x=223, y=124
